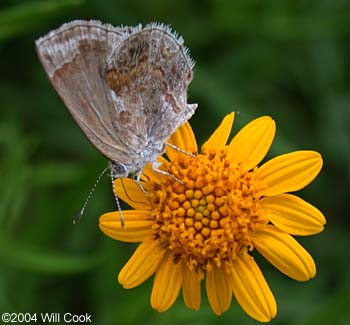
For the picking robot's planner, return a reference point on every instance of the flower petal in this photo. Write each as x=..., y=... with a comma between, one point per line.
x=138, y=225
x=128, y=191
x=191, y=289
x=220, y=136
x=285, y=253
x=251, y=290
x=293, y=215
x=167, y=284
x=182, y=138
x=289, y=172
x=149, y=173
x=142, y=264
x=251, y=144
x=219, y=291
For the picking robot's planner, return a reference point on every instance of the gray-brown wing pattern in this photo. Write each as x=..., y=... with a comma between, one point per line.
x=149, y=72
x=125, y=87
x=73, y=57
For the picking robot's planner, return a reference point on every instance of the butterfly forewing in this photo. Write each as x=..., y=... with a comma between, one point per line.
x=73, y=56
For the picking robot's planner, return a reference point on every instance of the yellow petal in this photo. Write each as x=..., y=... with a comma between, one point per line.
x=142, y=264
x=252, y=142
x=285, y=253
x=220, y=136
x=293, y=215
x=289, y=172
x=138, y=225
x=251, y=290
x=150, y=174
x=191, y=289
x=128, y=191
x=219, y=290
x=184, y=139
x=167, y=284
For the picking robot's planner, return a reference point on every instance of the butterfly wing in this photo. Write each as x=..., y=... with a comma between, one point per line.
x=74, y=57
x=149, y=72
x=125, y=87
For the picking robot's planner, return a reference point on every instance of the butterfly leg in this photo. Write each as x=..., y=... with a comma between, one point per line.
x=121, y=217
x=137, y=180
x=180, y=150
x=155, y=167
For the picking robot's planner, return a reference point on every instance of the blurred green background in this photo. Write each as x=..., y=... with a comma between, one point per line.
x=287, y=59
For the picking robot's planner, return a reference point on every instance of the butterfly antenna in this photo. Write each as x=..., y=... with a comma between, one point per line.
x=121, y=217
x=80, y=214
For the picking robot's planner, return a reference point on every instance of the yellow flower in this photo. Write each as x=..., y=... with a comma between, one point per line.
x=203, y=222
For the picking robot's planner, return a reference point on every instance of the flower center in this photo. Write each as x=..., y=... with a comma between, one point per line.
x=209, y=216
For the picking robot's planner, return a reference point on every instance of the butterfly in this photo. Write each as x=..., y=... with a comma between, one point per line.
x=125, y=87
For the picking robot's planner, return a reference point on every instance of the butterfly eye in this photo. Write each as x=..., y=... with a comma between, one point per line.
x=118, y=170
